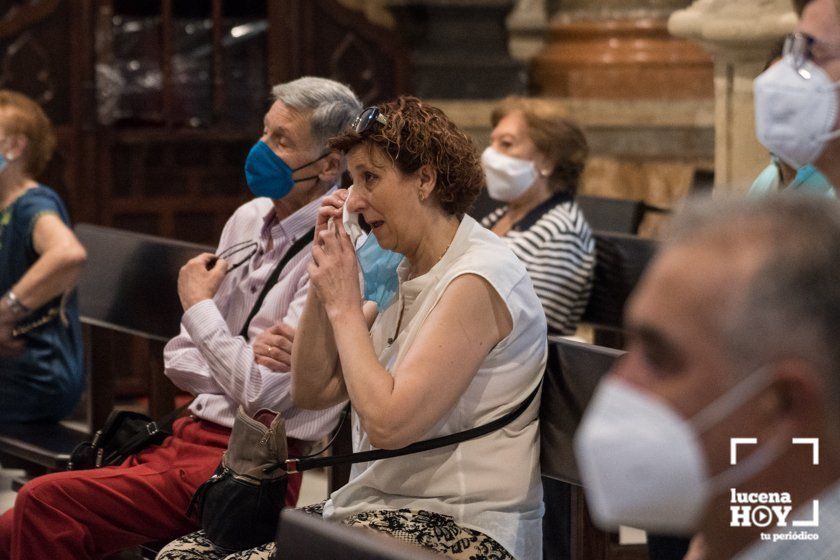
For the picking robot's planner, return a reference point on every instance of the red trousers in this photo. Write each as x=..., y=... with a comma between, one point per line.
x=89, y=514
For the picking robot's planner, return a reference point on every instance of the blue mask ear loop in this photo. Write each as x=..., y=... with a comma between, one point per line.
x=316, y=160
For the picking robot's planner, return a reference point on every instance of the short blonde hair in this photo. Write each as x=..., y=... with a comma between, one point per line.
x=21, y=115
x=554, y=135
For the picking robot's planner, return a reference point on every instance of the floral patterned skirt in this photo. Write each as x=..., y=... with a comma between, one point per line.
x=426, y=529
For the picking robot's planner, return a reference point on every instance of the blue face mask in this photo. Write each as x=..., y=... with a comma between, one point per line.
x=808, y=180
x=379, y=268
x=268, y=175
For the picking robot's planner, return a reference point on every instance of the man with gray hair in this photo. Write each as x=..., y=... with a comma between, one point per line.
x=723, y=417
x=240, y=312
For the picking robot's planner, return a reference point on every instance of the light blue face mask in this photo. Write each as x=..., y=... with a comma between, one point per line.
x=808, y=180
x=379, y=268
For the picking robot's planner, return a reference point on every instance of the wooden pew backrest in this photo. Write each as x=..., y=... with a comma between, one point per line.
x=130, y=281
x=571, y=375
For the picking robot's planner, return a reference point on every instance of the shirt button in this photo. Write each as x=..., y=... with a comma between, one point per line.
x=253, y=289
x=199, y=406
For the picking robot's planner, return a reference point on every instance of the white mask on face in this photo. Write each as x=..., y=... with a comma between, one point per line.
x=642, y=464
x=794, y=117
x=507, y=177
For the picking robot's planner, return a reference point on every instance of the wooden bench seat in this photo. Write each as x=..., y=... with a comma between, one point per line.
x=129, y=285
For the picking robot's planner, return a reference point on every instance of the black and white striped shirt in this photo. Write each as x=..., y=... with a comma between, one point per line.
x=555, y=243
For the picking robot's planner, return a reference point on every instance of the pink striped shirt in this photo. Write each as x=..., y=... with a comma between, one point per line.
x=210, y=360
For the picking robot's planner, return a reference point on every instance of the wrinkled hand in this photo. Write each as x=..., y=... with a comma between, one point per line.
x=9, y=345
x=332, y=206
x=333, y=272
x=196, y=283
x=273, y=347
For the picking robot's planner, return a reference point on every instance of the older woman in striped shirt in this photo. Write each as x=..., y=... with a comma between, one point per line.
x=533, y=165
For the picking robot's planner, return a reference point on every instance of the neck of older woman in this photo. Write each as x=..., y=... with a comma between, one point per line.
x=13, y=182
x=435, y=239
x=518, y=208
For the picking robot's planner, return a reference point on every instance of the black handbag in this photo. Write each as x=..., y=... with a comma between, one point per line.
x=239, y=506
x=124, y=434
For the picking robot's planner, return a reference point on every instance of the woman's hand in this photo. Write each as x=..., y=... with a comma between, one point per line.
x=273, y=347
x=334, y=273
x=332, y=206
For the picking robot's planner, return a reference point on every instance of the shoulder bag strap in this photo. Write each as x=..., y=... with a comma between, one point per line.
x=296, y=248
x=300, y=465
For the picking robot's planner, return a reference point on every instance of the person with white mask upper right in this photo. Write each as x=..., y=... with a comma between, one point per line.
x=533, y=165
x=797, y=100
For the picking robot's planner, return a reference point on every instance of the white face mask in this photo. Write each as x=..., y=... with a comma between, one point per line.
x=794, y=116
x=642, y=464
x=507, y=177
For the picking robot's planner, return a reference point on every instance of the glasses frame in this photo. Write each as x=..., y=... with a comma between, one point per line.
x=798, y=49
x=368, y=118
x=236, y=248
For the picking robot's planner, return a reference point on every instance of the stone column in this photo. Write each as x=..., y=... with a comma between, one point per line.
x=528, y=26
x=740, y=35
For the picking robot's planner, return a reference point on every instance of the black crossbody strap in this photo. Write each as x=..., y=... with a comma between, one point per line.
x=300, y=465
x=296, y=248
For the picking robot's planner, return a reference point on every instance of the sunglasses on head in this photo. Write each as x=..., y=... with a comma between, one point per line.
x=368, y=118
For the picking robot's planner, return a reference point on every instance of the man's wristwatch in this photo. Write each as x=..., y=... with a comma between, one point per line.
x=16, y=308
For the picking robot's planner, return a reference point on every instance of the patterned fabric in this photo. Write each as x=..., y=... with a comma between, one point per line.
x=44, y=382
x=210, y=360
x=426, y=529
x=556, y=245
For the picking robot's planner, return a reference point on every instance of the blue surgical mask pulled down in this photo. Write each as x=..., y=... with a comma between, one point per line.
x=268, y=175
x=378, y=265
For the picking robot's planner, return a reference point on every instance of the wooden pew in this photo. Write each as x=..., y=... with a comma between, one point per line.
x=620, y=262
x=128, y=286
x=572, y=374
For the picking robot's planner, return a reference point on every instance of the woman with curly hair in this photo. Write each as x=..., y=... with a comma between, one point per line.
x=462, y=343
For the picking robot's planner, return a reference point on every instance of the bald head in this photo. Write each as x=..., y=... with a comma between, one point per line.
x=784, y=255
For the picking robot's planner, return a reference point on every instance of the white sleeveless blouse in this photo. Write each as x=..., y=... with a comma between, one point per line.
x=491, y=484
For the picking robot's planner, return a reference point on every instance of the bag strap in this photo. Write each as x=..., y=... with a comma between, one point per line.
x=296, y=248
x=304, y=464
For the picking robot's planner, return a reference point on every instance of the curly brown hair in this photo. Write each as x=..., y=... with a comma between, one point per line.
x=23, y=116
x=554, y=135
x=418, y=134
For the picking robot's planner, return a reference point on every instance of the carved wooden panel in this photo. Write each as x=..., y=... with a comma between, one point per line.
x=324, y=38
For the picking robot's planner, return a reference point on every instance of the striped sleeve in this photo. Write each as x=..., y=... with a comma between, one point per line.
x=559, y=254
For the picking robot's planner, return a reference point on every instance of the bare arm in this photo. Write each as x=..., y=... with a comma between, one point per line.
x=317, y=379
x=397, y=408
x=57, y=269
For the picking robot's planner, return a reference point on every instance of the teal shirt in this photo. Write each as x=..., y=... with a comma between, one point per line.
x=808, y=180
x=45, y=382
